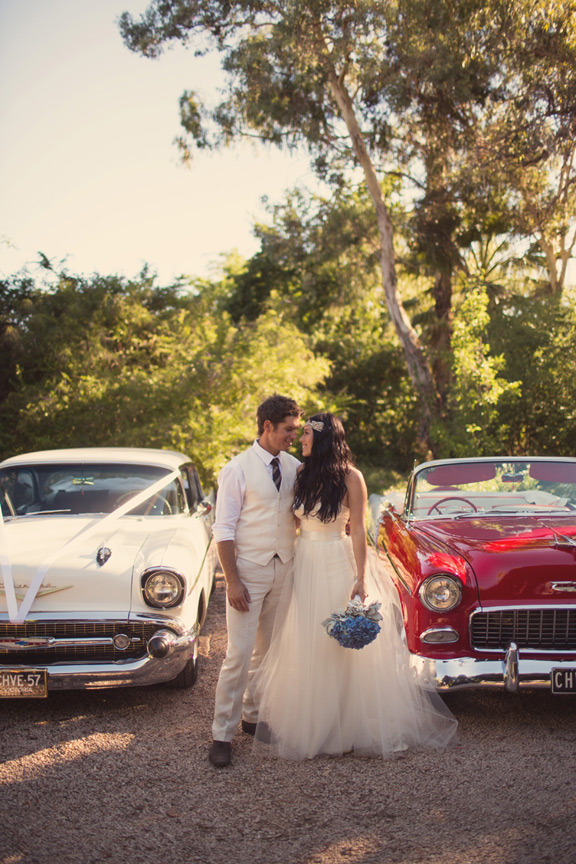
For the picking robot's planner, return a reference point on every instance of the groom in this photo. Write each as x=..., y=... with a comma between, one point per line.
x=255, y=533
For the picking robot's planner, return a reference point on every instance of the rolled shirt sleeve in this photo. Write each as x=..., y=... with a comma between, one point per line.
x=231, y=491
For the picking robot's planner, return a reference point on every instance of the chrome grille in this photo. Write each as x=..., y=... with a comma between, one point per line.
x=141, y=631
x=543, y=629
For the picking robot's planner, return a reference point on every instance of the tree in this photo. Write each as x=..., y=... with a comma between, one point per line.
x=421, y=87
x=109, y=362
x=298, y=72
x=332, y=293
x=15, y=302
x=537, y=339
x=529, y=136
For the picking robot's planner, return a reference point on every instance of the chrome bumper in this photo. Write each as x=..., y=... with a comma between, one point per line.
x=167, y=655
x=512, y=673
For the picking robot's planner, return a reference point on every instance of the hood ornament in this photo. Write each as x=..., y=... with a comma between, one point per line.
x=103, y=555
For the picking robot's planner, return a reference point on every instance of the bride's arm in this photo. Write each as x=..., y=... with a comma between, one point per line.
x=296, y=519
x=357, y=501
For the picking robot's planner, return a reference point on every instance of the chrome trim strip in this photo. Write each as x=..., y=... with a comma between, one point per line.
x=465, y=673
x=119, y=618
x=450, y=630
x=522, y=607
x=33, y=643
x=536, y=650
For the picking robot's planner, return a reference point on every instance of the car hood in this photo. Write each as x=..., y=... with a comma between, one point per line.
x=514, y=557
x=75, y=581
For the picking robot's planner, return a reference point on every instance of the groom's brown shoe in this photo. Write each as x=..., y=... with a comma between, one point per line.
x=249, y=728
x=220, y=754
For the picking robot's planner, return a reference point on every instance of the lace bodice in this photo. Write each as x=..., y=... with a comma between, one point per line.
x=312, y=528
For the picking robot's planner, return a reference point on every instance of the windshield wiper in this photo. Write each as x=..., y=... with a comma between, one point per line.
x=43, y=512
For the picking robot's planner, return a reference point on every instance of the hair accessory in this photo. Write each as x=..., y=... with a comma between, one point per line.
x=318, y=425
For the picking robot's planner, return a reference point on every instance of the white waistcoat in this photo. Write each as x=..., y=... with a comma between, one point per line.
x=266, y=525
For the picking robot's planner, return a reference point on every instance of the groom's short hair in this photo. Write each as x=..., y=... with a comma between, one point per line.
x=275, y=408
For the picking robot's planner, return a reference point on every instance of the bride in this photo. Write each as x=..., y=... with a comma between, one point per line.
x=317, y=697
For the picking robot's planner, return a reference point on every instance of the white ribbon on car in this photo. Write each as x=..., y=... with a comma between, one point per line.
x=17, y=614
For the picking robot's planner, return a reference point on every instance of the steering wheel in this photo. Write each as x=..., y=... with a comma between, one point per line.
x=158, y=499
x=436, y=506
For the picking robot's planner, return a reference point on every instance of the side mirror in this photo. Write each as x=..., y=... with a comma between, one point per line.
x=394, y=503
x=203, y=508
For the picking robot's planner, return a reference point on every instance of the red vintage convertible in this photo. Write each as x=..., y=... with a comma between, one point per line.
x=483, y=555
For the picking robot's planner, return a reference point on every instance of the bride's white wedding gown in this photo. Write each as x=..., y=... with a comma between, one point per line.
x=319, y=698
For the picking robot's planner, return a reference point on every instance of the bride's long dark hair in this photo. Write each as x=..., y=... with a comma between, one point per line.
x=322, y=479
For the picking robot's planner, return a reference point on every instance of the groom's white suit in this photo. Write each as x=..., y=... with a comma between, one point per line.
x=259, y=519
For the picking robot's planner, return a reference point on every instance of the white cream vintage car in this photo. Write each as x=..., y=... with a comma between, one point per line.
x=106, y=569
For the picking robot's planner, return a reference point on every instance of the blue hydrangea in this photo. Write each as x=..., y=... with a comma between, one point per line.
x=355, y=626
x=355, y=632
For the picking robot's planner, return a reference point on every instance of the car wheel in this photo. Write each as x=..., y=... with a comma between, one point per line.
x=186, y=677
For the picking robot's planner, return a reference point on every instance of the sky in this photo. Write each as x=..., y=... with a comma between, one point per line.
x=89, y=172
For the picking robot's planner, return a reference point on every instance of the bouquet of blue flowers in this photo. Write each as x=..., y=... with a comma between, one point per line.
x=356, y=625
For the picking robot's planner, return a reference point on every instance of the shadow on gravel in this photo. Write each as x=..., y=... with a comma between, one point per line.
x=122, y=776
x=511, y=708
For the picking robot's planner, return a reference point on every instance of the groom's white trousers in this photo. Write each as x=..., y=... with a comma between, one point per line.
x=249, y=635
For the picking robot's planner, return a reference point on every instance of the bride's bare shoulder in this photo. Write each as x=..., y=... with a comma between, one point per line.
x=354, y=475
x=355, y=480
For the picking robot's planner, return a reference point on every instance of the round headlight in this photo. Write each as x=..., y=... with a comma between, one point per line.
x=162, y=588
x=441, y=593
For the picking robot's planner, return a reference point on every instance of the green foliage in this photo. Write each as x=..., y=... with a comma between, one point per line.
x=469, y=104
x=538, y=338
x=465, y=109
x=331, y=291
x=109, y=362
x=104, y=362
x=478, y=386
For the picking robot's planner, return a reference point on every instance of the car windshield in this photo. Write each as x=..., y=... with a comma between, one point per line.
x=28, y=490
x=460, y=489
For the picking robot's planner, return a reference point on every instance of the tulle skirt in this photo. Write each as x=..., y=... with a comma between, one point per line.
x=318, y=698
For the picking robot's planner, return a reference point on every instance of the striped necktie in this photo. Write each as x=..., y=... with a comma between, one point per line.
x=276, y=473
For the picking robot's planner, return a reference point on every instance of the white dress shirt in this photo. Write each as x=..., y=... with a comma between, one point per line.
x=231, y=491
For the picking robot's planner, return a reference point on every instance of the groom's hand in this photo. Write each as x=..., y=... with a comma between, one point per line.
x=238, y=595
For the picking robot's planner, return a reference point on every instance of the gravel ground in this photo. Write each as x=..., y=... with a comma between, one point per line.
x=123, y=776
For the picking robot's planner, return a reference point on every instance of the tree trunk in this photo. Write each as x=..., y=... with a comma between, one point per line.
x=417, y=363
x=557, y=262
x=441, y=336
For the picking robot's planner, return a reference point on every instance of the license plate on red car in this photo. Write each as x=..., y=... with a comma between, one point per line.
x=23, y=684
x=563, y=680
